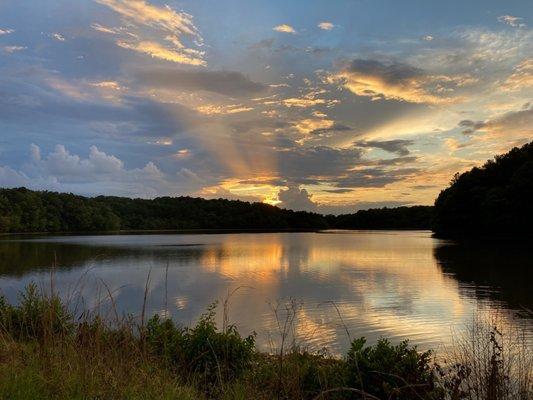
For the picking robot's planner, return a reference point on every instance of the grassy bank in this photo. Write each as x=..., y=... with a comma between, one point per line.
x=48, y=353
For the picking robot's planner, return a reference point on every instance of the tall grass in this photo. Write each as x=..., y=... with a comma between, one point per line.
x=47, y=352
x=492, y=361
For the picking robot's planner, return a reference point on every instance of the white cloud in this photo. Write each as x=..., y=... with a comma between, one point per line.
x=428, y=38
x=511, y=20
x=58, y=36
x=168, y=28
x=144, y=13
x=521, y=78
x=11, y=178
x=13, y=49
x=6, y=31
x=99, y=173
x=295, y=198
x=284, y=28
x=105, y=29
x=156, y=50
x=327, y=26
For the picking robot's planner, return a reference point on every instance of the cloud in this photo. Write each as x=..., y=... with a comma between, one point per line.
x=105, y=29
x=99, y=173
x=72, y=168
x=315, y=164
x=156, y=50
x=6, y=31
x=227, y=83
x=11, y=178
x=521, y=78
x=59, y=37
x=373, y=177
x=295, y=198
x=302, y=102
x=470, y=126
x=167, y=24
x=222, y=109
x=164, y=18
x=515, y=124
x=428, y=38
x=511, y=20
x=396, y=81
x=512, y=124
x=13, y=49
x=326, y=26
x=310, y=125
x=284, y=28
x=397, y=146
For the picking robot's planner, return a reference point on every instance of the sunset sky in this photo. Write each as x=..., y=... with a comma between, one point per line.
x=329, y=106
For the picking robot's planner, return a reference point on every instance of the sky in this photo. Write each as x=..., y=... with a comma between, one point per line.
x=327, y=106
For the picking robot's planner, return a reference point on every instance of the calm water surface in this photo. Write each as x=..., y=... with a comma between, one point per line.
x=394, y=284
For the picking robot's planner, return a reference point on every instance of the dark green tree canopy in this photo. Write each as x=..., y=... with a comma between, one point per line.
x=496, y=199
x=23, y=210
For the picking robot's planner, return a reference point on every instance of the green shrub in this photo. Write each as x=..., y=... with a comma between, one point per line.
x=166, y=340
x=35, y=316
x=391, y=372
x=203, y=350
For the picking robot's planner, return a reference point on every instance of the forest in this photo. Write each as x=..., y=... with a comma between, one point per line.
x=494, y=199
x=24, y=210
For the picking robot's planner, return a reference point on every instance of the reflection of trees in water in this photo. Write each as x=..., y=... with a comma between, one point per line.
x=20, y=258
x=506, y=266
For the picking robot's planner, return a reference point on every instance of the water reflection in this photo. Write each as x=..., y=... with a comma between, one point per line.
x=502, y=272
x=394, y=284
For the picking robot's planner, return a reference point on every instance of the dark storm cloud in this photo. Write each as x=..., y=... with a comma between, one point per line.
x=392, y=146
x=229, y=83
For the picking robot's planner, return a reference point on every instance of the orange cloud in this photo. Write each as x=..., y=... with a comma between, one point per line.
x=156, y=50
x=284, y=28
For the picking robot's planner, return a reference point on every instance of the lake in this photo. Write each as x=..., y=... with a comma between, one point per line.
x=339, y=284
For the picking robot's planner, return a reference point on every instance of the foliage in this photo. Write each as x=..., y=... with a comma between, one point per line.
x=23, y=210
x=202, y=350
x=94, y=359
x=36, y=317
x=415, y=217
x=391, y=372
x=492, y=200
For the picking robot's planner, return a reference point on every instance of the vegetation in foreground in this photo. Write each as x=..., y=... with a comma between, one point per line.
x=46, y=353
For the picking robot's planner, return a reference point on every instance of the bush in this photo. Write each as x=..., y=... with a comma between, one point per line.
x=203, y=351
x=391, y=372
x=37, y=316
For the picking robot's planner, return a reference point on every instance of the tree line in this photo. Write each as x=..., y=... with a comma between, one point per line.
x=493, y=199
x=24, y=210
